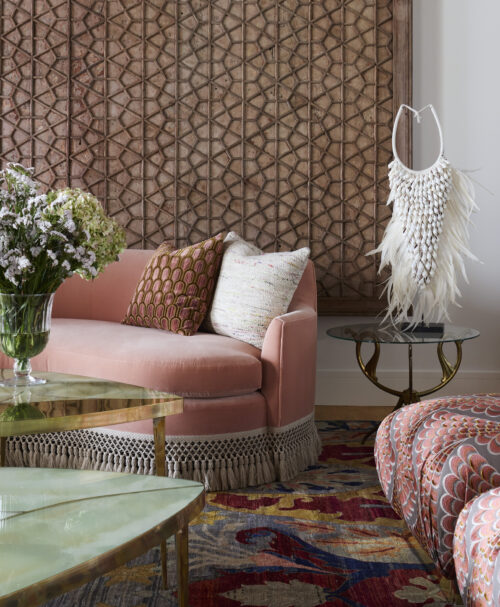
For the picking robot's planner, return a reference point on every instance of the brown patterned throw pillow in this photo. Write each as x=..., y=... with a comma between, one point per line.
x=176, y=287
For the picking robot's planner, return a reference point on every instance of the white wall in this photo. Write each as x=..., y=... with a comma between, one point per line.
x=456, y=48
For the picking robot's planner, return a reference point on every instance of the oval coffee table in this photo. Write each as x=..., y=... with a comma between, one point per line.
x=61, y=528
x=74, y=402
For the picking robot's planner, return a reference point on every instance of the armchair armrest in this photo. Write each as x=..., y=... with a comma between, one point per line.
x=289, y=365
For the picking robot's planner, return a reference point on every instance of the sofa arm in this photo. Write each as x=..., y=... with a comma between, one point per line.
x=289, y=366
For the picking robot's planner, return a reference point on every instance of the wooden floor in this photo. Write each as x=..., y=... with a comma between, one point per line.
x=332, y=413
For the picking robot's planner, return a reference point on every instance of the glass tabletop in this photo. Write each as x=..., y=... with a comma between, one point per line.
x=60, y=528
x=390, y=334
x=70, y=402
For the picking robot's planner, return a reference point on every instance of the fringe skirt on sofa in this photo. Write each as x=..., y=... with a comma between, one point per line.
x=220, y=462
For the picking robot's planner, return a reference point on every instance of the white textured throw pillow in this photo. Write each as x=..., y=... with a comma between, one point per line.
x=253, y=288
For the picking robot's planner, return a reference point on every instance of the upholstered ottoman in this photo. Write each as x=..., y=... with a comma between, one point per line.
x=476, y=550
x=432, y=459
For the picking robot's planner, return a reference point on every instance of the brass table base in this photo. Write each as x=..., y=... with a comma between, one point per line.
x=410, y=395
x=181, y=537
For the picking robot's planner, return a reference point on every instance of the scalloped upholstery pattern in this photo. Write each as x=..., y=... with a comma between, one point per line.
x=432, y=459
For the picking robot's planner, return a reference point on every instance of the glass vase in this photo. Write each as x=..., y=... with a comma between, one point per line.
x=24, y=332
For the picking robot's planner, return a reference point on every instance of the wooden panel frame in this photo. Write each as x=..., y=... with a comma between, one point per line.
x=402, y=93
x=268, y=117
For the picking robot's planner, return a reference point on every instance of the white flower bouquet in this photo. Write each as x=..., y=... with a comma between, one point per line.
x=44, y=238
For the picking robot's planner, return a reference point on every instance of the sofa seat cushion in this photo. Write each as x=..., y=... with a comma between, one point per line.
x=201, y=366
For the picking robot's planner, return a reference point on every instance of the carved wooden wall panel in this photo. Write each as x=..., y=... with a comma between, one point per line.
x=188, y=117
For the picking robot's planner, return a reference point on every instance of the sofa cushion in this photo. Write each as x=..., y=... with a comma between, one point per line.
x=253, y=288
x=204, y=365
x=176, y=287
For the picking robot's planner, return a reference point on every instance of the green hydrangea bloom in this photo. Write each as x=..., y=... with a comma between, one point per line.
x=105, y=237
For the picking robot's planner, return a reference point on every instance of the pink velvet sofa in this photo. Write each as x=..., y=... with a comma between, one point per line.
x=248, y=414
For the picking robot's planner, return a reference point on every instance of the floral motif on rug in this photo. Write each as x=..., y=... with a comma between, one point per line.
x=328, y=538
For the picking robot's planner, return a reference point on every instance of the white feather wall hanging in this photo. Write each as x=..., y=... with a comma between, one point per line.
x=425, y=242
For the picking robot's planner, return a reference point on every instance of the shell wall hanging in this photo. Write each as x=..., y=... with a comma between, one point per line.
x=425, y=242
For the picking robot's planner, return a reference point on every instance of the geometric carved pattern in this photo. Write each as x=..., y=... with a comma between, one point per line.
x=269, y=117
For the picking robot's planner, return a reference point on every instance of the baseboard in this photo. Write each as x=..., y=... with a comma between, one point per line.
x=353, y=413
x=341, y=388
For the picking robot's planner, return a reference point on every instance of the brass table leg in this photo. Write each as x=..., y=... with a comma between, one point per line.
x=3, y=451
x=408, y=396
x=181, y=543
x=448, y=369
x=159, y=438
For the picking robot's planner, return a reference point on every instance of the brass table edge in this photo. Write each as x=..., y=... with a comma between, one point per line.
x=49, y=588
x=92, y=420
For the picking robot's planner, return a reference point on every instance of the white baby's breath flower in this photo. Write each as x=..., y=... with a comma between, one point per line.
x=11, y=277
x=24, y=220
x=65, y=265
x=23, y=262
x=43, y=226
x=60, y=199
x=4, y=241
x=51, y=254
x=35, y=251
x=10, y=259
x=20, y=178
x=6, y=212
x=70, y=226
x=37, y=201
x=58, y=234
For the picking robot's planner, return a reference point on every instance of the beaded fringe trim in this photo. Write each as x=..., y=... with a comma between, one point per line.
x=219, y=462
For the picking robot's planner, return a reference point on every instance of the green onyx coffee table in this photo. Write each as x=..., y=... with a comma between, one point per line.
x=62, y=528
x=73, y=402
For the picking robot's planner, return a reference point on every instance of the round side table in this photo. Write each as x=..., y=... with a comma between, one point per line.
x=389, y=334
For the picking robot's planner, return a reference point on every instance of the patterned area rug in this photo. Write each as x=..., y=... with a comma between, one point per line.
x=326, y=539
